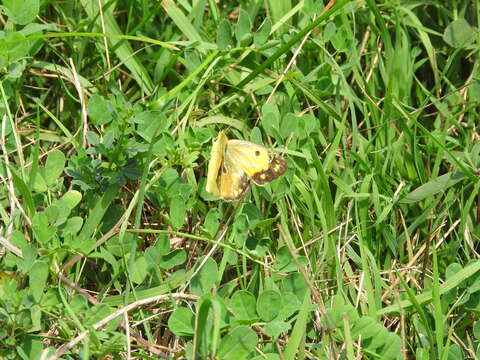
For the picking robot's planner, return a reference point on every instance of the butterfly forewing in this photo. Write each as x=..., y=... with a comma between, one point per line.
x=258, y=162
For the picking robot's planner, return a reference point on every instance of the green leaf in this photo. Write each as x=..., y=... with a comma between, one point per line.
x=178, y=209
x=25, y=191
x=295, y=283
x=243, y=306
x=73, y=226
x=21, y=12
x=181, y=20
x=268, y=305
x=476, y=330
x=271, y=119
x=41, y=228
x=238, y=344
x=96, y=313
x=211, y=222
x=242, y=29
x=263, y=32
x=71, y=198
x=434, y=186
x=54, y=167
x=290, y=304
x=271, y=356
x=174, y=258
x=139, y=272
x=459, y=33
x=224, y=35
x=36, y=317
x=37, y=279
x=182, y=322
x=100, y=110
x=299, y=329
x=203, y=282
x=275, y=328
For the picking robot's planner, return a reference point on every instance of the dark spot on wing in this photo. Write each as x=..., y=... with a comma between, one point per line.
x=257, y=153
x=277, y=168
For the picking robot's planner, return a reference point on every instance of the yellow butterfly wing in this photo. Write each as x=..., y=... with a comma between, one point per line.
x=224, y=178
x=232, y=181
x=216, y=159
x=258, y=162
x=231, y=161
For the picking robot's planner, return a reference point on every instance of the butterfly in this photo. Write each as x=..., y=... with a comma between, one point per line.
x=232, y=162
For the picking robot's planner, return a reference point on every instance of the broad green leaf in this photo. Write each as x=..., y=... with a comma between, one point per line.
x=100, y=110
x=211, y=222
x=139, y=270
x=238, y=344
x=242, y=29
x=263, y=32
x=174, y=258
x=54, y=167
x=71, y=198
x=21, y=12
x=459, y=33
x=275, y=328
x=37, y=279
x=73, y=226
x=268, y=305
x=36, y=317
x=182, y=322
x=178, y=209
x=41, y=228
x=204, y=280
x=243, y=306
x=295, y=283
x=96, y=313
x=224, y=35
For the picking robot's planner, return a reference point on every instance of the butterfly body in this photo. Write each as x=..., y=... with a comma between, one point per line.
x=232, y=162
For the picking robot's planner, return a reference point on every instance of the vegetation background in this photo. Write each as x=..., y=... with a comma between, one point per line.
x=367, y=248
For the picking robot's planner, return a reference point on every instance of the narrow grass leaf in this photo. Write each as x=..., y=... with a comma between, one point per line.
x=299, y=330
x=181, y=20
x=435, y=186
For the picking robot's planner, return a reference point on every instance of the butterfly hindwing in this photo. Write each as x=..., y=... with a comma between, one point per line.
x=232, y=181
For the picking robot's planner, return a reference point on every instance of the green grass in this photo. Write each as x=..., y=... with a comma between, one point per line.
x=366, y=248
